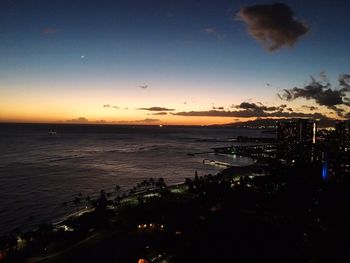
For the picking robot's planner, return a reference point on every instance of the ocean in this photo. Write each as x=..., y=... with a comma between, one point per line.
x=40, y=170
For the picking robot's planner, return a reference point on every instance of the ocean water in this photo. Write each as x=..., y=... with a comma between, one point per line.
x=39, y=171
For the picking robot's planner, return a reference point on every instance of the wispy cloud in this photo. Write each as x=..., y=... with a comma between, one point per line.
x=110, y=106
x=213, y=32
x=147, y=120
x=274, y=25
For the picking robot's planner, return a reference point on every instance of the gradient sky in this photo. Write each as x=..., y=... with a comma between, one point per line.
x=61, y=60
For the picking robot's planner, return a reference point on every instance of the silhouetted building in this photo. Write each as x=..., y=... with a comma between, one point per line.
x=295, y=141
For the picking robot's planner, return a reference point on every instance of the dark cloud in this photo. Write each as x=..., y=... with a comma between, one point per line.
x=106, y=106
x=259, y=108
x=156, y=109
x=159, y=113
x=143, y=86
x=218, y=108
x=311, y=108
x=322, y=93
x=253, y=110
x=249, y=114
x=148, y=120
x=274, y=25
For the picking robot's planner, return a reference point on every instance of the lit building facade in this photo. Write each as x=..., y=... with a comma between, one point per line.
x=295, y=141
x=339, y=156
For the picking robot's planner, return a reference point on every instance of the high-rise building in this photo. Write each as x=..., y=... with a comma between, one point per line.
x=339, y=161
x=341, y=135
x=295, y=141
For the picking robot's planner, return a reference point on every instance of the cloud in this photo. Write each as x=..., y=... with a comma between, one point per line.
x=248, y=109
x=322, y=93
x=83, y=120
x=252, y=110
x=156, y=109
x=78, y=120
x=143, y=86
x=311, y=108
x=110, y=106
x=147, y=120
x=259, y=108
x=159, y=113
x=249, y=114
x=344, y=82
x=213, y=32
x=49, y=30
x=218, y=108
x=274, y=25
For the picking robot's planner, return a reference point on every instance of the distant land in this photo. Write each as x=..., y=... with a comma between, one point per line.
x=270, y=123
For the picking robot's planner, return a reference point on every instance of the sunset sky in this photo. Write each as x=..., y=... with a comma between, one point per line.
x=172, y=62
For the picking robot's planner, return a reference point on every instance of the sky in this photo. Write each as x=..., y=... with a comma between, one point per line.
x=173, y=62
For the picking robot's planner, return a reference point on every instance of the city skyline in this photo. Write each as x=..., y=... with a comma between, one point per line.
x=191, y=63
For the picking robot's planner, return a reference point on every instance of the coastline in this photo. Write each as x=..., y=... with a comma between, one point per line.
x=229, y=171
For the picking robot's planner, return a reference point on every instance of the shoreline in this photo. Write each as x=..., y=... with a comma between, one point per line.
x=244, y=170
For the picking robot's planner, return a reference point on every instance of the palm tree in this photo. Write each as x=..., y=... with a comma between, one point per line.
x=101, y=202
x=117, y=188
x=88, y=200
x=152, y=182
x=161, y=183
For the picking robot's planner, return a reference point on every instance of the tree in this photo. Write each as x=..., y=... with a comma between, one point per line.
x=102, y=202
